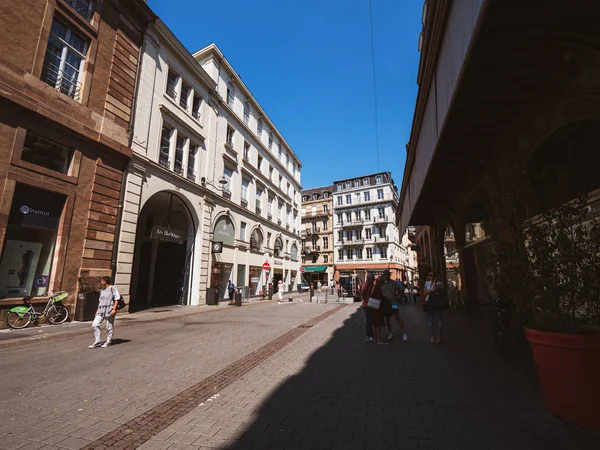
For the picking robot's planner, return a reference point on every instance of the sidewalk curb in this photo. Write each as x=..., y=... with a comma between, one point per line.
x=66, y=334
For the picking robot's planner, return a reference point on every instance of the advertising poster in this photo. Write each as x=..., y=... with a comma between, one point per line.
x=18, y=267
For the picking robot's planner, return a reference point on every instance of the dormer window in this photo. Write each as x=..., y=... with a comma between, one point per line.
x=348, y=185
x=326, y=194
x=379, y=179
x=356, y=183
x=366, y=182
x=315, y=196
x=305, y=198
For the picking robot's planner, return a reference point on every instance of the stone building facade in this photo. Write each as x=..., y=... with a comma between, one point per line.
x=68, y=72
x=317, y=235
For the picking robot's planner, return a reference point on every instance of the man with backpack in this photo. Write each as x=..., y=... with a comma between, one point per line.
x=110, y=301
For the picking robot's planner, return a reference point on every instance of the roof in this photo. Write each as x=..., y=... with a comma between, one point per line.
x=318, y=190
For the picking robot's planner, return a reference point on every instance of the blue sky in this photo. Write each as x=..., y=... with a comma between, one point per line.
x=308, y=63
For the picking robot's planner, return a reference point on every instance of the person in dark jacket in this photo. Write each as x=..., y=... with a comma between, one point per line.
x=365, y=293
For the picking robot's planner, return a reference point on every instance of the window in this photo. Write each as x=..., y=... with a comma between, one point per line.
x=180, y=143
x=383, y=252
x=348, y=185
x=315, y=197
x=256, y=240
x=381, y=212
x=378, y=179
x=260, y=160
x=379, y=194
x=246, y=151
x=340, y=219
x=369, y=253
x=367, y=233
x=230, y=132
x=340, y=201
x=245, y=185
x=357, y=197
x=340, y=253
x=325, y=194
x=359, y=253
x=196, y=105
x=165, y=145
x=314, y=259
x=339, y=187
x=172, y=79
x=348, y=199
x=258, y=201
x=366, y=182
x=350, y=253
x=246, y=113
x=368, y=214
x=270, y=211
x=348, y=217
x=46, y=153
x=305, y=198
x=191, y=167
x=228, y=173
x=270, y=141
x=280, y=154
x=83, y=8
x=243, y=231
x=356, y=183
x=287, y=191
x=367, y=196
x=280, y=181
x=64, y=59
x=270, y=173
x=230, y=96
x=325, y=259
x=185, y=94
x=268, y=240
x=259, y=128
x=325, y=208
x=325, y=242
x=340, y=235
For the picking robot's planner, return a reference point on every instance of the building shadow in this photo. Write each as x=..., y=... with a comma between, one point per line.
x=463, y=395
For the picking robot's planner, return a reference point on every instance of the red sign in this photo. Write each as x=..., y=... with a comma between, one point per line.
x=301, y=269
x=266, y=266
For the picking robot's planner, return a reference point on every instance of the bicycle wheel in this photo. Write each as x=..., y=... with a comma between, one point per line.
x=57, y=314
x=17, y=321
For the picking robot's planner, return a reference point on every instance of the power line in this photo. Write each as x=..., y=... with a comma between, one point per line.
x=374, y=82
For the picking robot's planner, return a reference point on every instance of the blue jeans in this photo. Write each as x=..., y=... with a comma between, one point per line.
x=368, y=321
x=433, y=314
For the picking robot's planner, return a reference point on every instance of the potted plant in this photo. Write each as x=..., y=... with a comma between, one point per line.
x=548, y=266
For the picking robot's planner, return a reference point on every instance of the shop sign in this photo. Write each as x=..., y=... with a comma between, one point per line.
x=36, y=208
x=278, y=262
x=224, y=231
x=166, y=234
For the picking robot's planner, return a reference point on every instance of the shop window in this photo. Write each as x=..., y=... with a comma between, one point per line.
x=46, y=153
x=294, y=253
x=29, y=245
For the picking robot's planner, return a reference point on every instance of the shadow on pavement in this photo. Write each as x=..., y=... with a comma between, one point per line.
x=356, y=395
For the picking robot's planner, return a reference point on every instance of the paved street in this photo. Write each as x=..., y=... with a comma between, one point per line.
x=295, y=375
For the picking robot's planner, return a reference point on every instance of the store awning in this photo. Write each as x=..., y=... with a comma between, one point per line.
x=314, y=268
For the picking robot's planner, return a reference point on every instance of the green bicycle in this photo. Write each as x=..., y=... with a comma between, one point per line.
x=55, y=313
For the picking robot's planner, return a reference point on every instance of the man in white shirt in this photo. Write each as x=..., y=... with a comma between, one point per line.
x=107, y=310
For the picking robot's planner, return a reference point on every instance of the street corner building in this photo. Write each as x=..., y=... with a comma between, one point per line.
x=212, y=187
x=68, y=71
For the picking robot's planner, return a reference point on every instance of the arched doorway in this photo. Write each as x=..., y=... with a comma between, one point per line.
x=163, y=253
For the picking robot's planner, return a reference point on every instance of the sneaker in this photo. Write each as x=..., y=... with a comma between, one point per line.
x=95, y=345
x=370, y=339
x=106, y=344
x=390, y=336
x=405, y=337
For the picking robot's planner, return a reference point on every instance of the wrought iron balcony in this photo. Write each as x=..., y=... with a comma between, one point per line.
x=163, y=160
x=196, y=114
x=171, y=91
x=61, y=81
x=83, y=8
x=191, y=175
x=178, y=168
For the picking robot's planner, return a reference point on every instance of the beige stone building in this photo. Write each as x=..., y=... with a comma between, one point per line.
x=317, y=235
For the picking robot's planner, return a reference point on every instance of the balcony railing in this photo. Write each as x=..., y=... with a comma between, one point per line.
x=191, y=175
x=171, y=91
x=269, y=216
x=61, y=81
x=196, y=114
x=178, y=168
x=244, y=203
x=163, y=160
x=83, y=8
x=385, y=198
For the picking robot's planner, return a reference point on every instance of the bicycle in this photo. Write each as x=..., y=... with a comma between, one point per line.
x=55, y=313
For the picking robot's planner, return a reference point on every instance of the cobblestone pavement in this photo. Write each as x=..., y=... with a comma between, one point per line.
x=327, y=388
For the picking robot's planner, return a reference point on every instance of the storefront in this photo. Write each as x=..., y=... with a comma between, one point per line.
x=223, y=262
x=256, y=280
x=30, y=241
x=221, y=273
x=315, y=274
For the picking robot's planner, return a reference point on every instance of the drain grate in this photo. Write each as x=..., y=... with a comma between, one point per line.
x=139, y=430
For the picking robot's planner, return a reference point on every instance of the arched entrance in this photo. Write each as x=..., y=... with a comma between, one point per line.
x=163, y=253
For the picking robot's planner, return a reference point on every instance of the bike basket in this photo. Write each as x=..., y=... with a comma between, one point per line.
x=60, y=296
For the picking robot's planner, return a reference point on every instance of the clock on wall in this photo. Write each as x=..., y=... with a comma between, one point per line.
x=217, y=247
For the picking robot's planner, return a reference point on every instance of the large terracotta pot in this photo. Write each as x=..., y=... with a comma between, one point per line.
x=569, y=370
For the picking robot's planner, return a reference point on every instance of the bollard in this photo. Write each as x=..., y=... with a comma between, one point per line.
x=290, y=299
x=311, y=292
x=270, y=292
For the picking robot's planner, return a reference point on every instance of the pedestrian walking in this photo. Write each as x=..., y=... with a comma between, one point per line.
x=280, y=288
x=107, y=310
x=365, y=294
x=231, y=292
x=377, y=314
x=391, y=298
x=332, y=286
x=434, y=287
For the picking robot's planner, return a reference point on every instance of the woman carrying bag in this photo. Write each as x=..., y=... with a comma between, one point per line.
x=376, y=314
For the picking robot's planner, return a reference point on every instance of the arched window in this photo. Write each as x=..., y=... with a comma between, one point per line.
x=256, y=240
x=278, y=247
x=294, y=252
x=326, y=194
x=315, y=196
